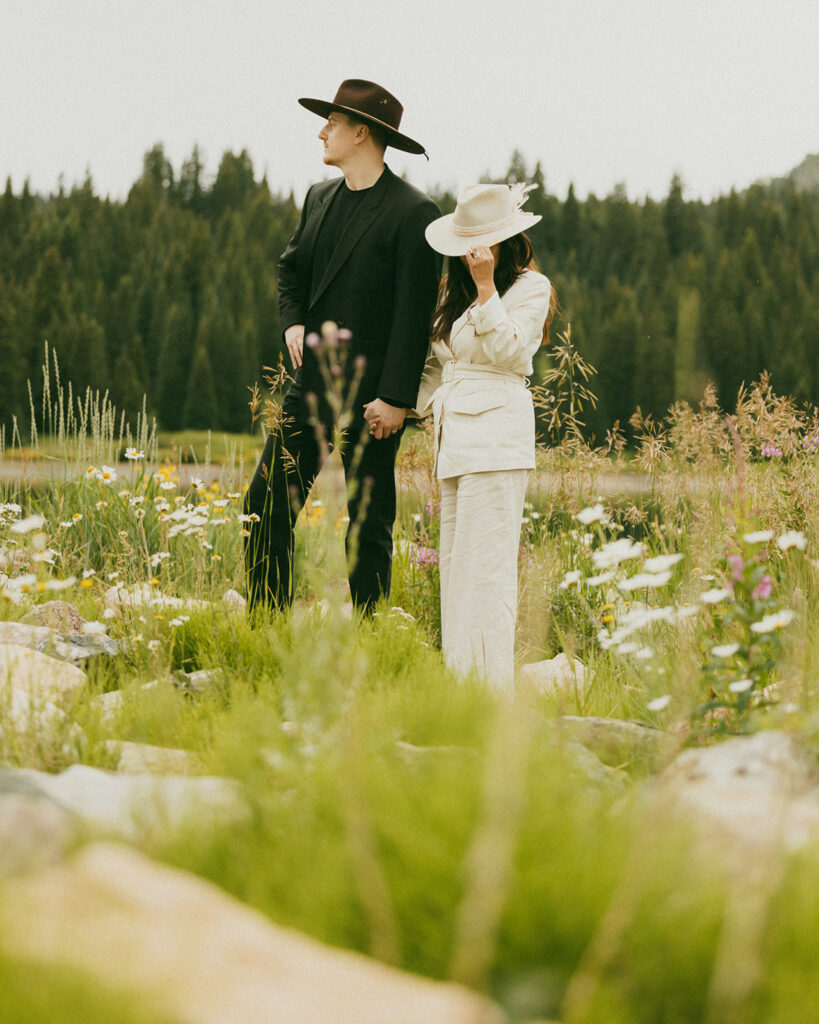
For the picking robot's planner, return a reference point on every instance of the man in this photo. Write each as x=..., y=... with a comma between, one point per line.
x=359, y=259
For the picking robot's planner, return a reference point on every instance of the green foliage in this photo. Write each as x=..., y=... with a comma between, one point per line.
x=662, y=297
x=39, y=994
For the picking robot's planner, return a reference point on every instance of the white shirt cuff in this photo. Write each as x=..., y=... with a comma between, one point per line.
x=487, y=317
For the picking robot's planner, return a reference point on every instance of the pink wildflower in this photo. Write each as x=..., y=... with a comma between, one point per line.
x=426, y=556
x=737, y=566
x=762, y=591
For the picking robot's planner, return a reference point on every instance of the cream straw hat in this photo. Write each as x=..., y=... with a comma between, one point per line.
x=485, y=214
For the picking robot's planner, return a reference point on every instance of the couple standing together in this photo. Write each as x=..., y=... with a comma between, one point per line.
x=366, y=254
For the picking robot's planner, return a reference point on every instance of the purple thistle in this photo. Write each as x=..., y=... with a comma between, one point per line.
x=426, y=556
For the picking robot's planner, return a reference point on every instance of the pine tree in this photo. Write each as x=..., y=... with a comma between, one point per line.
x=201, y=409
x=126, y=386
x=12, y=393
x=570, y=224
x=687, y=344
x=175, y=365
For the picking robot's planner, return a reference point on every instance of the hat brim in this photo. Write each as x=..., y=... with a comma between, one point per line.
x=394, y=138
x=443, y=238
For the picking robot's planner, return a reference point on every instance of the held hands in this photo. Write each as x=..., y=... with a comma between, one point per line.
x=480, y=262
x=294, y=339
x=384, y=419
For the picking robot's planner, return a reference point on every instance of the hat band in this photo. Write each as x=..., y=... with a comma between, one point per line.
x=482, y=229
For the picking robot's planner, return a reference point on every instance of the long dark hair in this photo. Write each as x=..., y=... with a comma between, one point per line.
x=457, y=290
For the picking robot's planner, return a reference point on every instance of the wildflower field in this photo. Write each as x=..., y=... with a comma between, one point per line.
x=427, y=821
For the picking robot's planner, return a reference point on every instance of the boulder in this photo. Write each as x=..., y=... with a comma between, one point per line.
x=128, y=805
x=200, y=680
x=120, y=599
x=233, y=599
x=21, y=712
x=110, y=703
x=58, y=615
x=561, y=674
x=143, y=758
x=25, y=634
x=617, y=742
x=196, y=954
x=587, y=766
x=33, y=829
x=74, y=647
x=38, y=674
x=77, y=647
x=750, y=791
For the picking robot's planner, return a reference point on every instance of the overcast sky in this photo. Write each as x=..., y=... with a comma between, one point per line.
x=721, y=92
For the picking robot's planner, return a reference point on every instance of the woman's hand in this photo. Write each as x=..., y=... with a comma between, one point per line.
x=384, y=420
x=480, y=261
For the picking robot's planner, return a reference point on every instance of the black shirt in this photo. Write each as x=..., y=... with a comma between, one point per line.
x=343, y=208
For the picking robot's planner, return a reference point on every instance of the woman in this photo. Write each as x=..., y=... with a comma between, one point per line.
x=493, y=313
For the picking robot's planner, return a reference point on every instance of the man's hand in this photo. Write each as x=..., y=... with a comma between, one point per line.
x=294, y=339
x=384, y=420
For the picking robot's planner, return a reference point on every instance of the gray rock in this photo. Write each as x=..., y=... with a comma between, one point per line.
x=617, y=742
x=143, y=758
x=110, y=703
x=25, y=634
x=199, y=681
x=127, y=805
x=199, y=956
x=38, y=674
x=58, y=615
x=34, y=830
x=749, y=792
x=561, y=674
x=20, y=712
x=73, y=647
x=586, y=765
x=80, y=647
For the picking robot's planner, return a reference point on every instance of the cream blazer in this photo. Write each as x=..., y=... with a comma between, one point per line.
x=475, y=386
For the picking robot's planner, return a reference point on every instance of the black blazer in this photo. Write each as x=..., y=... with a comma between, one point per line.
x=381, y=284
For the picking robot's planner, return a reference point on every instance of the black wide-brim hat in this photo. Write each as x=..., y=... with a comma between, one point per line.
x=369, y=103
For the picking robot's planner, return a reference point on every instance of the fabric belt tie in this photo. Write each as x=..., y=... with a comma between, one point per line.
x=453, y=370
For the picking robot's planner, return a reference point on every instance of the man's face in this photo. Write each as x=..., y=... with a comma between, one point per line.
x=338, y=135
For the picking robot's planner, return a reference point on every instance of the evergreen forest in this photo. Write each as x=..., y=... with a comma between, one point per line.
x=172, y=293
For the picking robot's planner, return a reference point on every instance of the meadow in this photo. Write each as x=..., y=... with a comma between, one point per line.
x=426, y=820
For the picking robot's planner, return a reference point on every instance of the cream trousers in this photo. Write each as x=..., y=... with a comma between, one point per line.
x=480, y=538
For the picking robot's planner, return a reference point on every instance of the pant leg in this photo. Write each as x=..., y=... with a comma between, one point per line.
x=369, y=471
x=449, y=501
x=289, y=464
x=482, y=574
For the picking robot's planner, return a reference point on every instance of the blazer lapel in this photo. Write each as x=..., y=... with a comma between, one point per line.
x=365, y=215
x=316, y=219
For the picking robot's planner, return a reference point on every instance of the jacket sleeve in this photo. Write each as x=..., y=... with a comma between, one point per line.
x=417, y=272
x=292, y=301
x=510, y=329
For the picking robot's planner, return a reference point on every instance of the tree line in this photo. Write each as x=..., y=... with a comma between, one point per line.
x=172, y=293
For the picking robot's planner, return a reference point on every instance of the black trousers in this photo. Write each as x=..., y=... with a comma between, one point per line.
x=290, y=462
